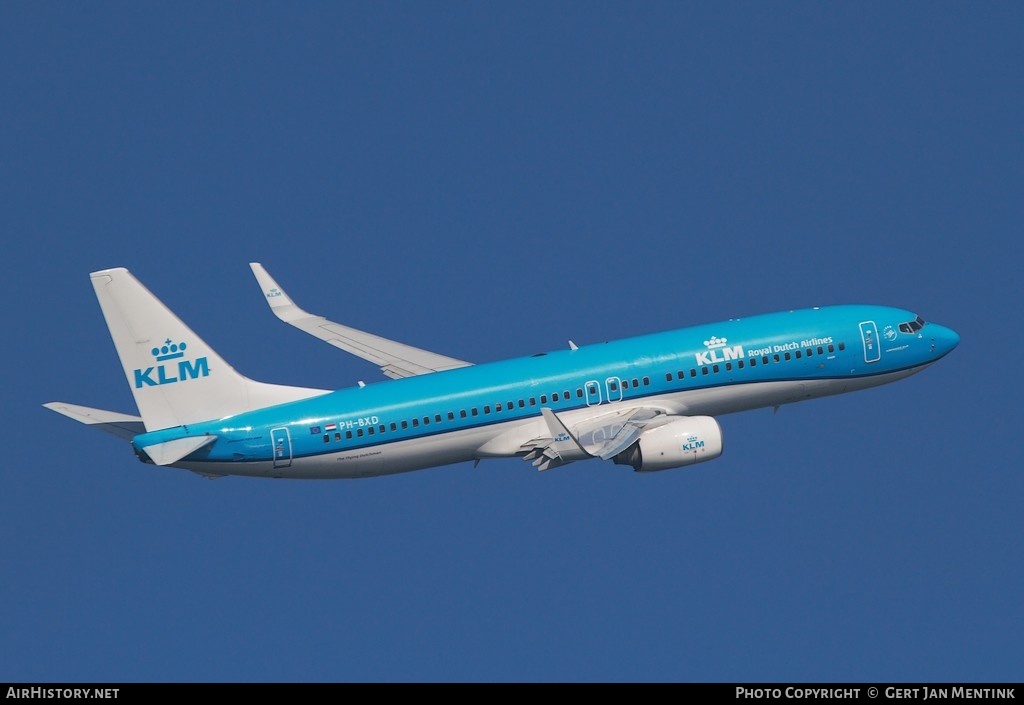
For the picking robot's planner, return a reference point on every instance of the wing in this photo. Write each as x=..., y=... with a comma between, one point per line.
x=603, y=436
x=395, y=359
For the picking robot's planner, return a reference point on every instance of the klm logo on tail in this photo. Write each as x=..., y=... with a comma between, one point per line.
x=168, y=372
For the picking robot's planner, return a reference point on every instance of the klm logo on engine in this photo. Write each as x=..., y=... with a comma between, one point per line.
x=692, y=444
x=718, y=352
x=167, y=371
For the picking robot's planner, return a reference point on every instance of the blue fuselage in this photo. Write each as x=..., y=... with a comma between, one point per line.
x=488, y=410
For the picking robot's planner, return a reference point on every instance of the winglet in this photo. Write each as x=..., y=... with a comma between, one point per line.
x=280, y=303
x=562, y=439
x=561, y=449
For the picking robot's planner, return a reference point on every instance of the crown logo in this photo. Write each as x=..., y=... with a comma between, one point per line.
x=169, y=351
x=716, y=343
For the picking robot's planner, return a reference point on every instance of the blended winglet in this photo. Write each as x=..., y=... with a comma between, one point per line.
x=396, y=360
x=280, y=303
x=560, y=449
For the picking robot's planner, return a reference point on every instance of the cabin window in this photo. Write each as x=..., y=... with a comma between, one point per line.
x=714, y=368
x=533, y=401
x=592, y=389
x=565, y=395
x=739, y=364
x=522, y=403
x=625, y=384
x=382, y=429
x=426, y=420
x=821, y=351
x=359, y=432
x=797, y=353
x=809, y=351
x=554, y=397
x=451, y=415
x=613, y=386
x=462, y=413
x=693, y=372
x=788, y=356
x=579, y=393
x=703, y=370
x=487, y=408
x=831, y=348
x=327, y=437
x=473, y=411
x=405, y=425
x=842, y=346
x=728, y=366
x=497, y=407
x=370, y=430
x=437, y=418
x=337, y=436
x=647, y=381
x=415, y=423
x=668, y=376
x=348, y=435
x=543, y=398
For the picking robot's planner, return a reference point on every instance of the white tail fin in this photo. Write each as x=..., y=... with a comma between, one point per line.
x=175, y=376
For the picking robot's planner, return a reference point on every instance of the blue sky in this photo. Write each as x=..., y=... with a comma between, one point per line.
x=490, y=180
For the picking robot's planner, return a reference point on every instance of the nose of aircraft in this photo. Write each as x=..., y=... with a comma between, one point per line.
x=943, y=339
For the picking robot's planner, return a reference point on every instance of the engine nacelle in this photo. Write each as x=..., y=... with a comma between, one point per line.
x=685, y=441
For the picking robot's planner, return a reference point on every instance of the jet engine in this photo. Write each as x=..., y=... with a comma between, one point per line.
x=685, y=441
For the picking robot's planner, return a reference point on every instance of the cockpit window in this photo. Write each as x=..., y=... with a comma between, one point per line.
x=913, y=326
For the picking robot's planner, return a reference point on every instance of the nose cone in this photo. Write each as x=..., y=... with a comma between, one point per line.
x=943, y=339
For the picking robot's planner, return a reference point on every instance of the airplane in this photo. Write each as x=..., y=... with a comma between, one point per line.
x=648, y=402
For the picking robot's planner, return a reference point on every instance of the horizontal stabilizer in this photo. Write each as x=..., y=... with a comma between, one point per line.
x=396, y=360
x=173, y=451
x=121, y=425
